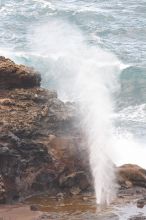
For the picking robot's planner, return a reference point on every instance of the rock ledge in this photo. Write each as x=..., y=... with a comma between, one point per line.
x=17, y=76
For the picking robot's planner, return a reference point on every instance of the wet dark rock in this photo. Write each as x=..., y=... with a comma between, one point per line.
x=140, y=203
x=139, y=217
x=34, y=207
x=78, y=179
x=79, y=216
x=46, y=216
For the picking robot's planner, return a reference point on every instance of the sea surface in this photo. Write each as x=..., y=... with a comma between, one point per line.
x=115, y=26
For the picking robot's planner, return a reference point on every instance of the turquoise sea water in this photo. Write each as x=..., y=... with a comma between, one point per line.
x=117, y=26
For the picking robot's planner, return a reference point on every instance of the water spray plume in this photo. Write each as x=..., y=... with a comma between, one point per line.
x=88, y=75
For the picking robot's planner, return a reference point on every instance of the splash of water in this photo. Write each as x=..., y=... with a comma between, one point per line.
x=86, y=74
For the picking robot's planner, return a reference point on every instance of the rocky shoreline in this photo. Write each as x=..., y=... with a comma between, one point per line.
x=40, y=139
x=42, y=145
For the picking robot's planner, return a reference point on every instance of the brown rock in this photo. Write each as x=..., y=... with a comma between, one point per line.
x=131, y=175
x=39, y=135
x=17, y=76
x=34, y=207
x=141, y=203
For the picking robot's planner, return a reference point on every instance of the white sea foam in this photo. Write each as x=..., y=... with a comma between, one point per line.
x=45, y=3
x=135, y=113
x=128, y=149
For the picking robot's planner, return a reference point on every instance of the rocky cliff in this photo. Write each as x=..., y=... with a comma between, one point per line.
x=39, y=137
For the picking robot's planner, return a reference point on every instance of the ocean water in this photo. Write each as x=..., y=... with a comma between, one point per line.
x=116, y=26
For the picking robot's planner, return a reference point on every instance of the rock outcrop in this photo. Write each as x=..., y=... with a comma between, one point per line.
x=132, y=175
x=132, y=182
x=40, y=140
x=17, y=76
